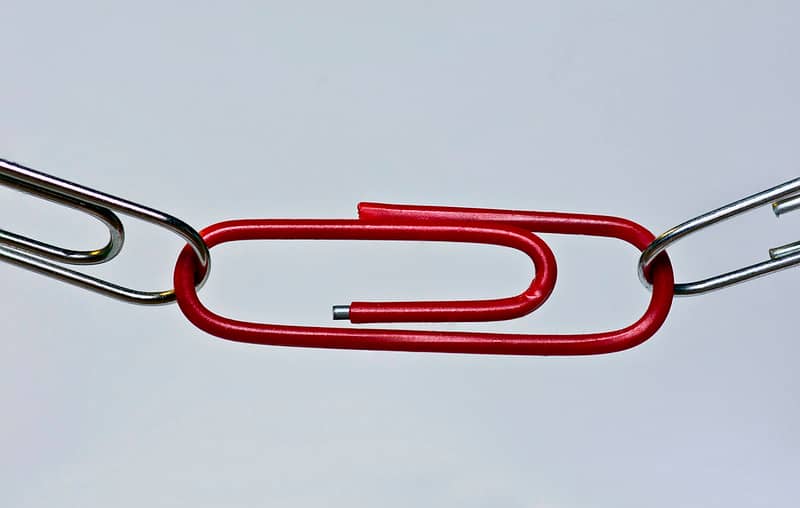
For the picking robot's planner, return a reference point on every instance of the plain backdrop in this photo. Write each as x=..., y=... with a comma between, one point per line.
x=655, y=111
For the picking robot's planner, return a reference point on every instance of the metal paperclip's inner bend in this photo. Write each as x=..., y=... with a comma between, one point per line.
x=55, y=253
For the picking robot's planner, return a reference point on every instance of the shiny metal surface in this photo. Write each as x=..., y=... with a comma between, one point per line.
x=341, y=312
x=62, y=255
x=100, y=205
x=786, y=205
x=784, y=198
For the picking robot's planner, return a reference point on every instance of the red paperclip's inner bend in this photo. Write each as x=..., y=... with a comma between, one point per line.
x=521, y=304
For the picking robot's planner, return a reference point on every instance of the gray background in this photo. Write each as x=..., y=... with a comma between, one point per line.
x=656, y=111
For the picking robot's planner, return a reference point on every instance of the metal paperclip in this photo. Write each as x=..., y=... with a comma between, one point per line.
x=784, y=198
x=36, y=256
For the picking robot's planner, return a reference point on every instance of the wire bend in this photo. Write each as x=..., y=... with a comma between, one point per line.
x=391, y=220
x=101, y=205
x=51, y=252
x=784, y=198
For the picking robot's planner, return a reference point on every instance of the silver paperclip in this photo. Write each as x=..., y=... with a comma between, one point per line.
x=784, y=198
x=38, y=256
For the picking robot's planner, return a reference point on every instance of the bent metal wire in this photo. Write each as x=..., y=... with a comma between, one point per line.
x=784, y=198
x=35, y=256
x=47, y=251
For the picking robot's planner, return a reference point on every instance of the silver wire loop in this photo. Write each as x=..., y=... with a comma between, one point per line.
x=96, y=203
x=62, y=255
x=784, y=198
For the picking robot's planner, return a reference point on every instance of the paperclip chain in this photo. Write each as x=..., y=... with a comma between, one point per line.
x=393, y=222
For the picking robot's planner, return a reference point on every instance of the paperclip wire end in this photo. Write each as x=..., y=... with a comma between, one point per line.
x=779, y=208
x=784, y=250
x=341, y=312
x=786, y=205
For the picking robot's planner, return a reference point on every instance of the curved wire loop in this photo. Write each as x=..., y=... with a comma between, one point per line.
x=784, y=198
x=378, y=221
x=51, y=252
x=538, y=291
x=35, y=256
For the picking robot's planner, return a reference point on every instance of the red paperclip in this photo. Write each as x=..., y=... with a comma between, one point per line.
x=403, y=222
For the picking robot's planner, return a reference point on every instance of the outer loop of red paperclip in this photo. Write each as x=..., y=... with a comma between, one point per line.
x=422, y=218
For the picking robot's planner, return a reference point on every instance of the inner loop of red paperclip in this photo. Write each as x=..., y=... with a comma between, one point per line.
x=530, y=299
x=427, y=221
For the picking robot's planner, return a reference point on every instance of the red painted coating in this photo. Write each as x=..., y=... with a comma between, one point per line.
x=524, y=303
x=389, y=220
